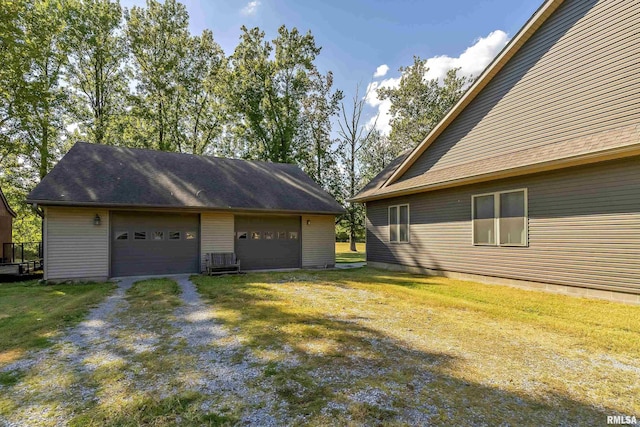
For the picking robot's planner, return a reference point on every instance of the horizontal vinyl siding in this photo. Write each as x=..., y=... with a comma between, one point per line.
x=216, y=234
x=75, y=247
x=584, y=229
x=318, y=241
x=576, y=76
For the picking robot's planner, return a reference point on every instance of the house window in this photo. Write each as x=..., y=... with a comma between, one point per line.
x=282, y=235
x=174, y=235
x=293, y=235
x=190, y=235
x=122, y=235
x=242, y=235
x=139, y=235
x=399, y=223
x=500, y=219
x=158, y=235
x=255, y=235
x=268, y=235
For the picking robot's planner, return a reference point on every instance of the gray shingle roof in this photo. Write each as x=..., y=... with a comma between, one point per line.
x=93, y=174
x=626, y=137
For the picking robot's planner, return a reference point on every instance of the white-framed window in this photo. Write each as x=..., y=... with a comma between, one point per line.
x=139, y=235
x=122, y=235
x=500, y=218
x=190, y=235
x=174, y=235
x=158, y=235
x=399, y=223
x=242, y=235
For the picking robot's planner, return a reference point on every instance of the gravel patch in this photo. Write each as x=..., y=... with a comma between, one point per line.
x=53, y=385
x=225, y=370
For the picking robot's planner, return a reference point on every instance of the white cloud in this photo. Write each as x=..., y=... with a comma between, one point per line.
x=251, y=8
x=381, y=71
x=471, y=63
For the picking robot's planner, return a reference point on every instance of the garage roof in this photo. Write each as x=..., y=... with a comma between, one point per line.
x=102, y=175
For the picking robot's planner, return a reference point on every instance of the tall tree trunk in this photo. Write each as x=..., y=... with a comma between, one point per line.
x=44, y=151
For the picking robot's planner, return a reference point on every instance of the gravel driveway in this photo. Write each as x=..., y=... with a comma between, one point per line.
x=59, y=383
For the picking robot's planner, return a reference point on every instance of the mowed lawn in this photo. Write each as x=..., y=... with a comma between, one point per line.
x=31, y=314
x=371, y=347
x=345, y=255
x=350, y=347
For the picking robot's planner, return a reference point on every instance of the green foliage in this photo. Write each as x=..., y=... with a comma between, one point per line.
x=418, y=104
x=158, y=37
x=279, y=99
x=92, y=70
x=97, y=71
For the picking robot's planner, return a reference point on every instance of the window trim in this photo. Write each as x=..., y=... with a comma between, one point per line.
x=496, y=218
x=120, y=233
x=398, y=223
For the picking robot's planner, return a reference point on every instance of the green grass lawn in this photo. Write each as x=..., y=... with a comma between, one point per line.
x=372, y=344
x=31, y=314
x=344, y=255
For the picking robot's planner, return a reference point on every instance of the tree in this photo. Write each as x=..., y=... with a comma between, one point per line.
x=33, y=102
x=318, y=107
x=418, y=104
x=354, y=135
x=158, y=37
x=267, y=85
x=376, y=154
x=203, y=119
x=97, y=71
x=39, y=98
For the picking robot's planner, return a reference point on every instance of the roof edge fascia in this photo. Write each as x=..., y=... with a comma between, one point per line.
x=580, y=160
x=126, y=206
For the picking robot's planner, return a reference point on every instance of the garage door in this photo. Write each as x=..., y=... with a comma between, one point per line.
x=267, y=242
x=157, y=243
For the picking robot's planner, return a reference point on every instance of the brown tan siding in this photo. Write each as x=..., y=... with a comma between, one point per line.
x=216, y=234
x=584, y=229
x=576, y=76
x=318, y=240
x=75, y=247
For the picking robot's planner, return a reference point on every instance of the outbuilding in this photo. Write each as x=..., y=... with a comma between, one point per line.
x=113, y=211
x=6, y=227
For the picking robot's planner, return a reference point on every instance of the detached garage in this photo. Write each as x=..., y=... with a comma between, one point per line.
x=114, y=212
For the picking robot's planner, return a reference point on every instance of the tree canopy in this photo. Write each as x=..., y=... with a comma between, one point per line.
x=92, y=70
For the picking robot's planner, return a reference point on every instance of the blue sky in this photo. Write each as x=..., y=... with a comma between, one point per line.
x=358, y=36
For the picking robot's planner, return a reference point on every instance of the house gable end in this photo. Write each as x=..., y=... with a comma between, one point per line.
x=574, y=79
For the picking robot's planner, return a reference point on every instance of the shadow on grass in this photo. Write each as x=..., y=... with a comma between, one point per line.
x=334, y=370
x=31, y=314
x=91, y=378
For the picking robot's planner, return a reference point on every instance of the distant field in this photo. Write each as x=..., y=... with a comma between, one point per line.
x=343, y=254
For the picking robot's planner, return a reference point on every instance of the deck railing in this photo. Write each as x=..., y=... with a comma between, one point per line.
x=14, y=253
